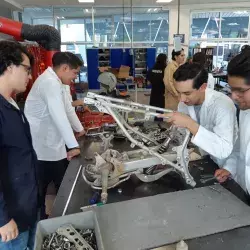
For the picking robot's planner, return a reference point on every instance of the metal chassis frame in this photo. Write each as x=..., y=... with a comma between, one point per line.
x=119, y=109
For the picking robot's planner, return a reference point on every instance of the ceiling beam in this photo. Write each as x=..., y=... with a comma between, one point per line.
x=11, y=4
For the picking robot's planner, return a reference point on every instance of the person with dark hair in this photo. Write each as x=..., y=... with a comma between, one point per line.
x=200, y=58
x=18, y=160
x=209, y=115
x=171, y=95
x=51, y=116
x=155, y=76
x=238, y=164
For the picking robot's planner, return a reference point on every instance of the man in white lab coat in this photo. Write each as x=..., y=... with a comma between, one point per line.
x=238, y=164
x=51, y=117
x=209, y=115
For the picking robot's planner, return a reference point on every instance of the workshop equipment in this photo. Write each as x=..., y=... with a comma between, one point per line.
x=92, y=120
x=112, y=167
x=42, y=41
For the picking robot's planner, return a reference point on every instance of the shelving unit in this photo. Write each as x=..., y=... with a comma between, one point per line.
x=144, y=59
x=209, y=52
x=104, y=57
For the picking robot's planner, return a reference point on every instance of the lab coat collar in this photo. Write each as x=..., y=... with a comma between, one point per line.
x=52, y=72
x=208, y=96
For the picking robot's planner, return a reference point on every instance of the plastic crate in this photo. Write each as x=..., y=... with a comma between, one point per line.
x=82, y=220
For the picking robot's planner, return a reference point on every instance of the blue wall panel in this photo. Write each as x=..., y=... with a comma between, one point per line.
x=93, y=72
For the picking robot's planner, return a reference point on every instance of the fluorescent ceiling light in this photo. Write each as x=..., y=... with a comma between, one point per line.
x=86, y=1
x=164, y=1
x=240, y=12
x=87, y=10
x=149, y=10
x=233, y=24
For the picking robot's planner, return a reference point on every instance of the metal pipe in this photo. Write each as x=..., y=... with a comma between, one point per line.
x=178, y=25
x=71, y=191
x=145, y=107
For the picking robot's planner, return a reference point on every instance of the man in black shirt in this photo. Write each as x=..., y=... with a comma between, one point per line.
x=18, y=161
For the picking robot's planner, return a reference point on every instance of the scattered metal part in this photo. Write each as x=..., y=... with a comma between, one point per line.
x=87, y=158
x=106, y=140
x=215, y=189
x=76, y=239
x=164, y=146
x=206, y=178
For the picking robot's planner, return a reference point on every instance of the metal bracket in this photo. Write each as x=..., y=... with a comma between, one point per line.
x=73, y=236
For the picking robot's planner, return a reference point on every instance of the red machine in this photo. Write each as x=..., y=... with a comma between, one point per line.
x=95, y=120
x=46, y=36
x=48, y=43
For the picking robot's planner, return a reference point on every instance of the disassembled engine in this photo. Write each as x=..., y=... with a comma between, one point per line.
x=165, y=148
x=69, y=238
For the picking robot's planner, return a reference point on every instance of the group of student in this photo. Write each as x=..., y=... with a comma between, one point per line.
x=209, y=115
x=32, y=143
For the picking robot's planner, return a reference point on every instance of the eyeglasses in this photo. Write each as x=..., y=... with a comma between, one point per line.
x=239, y=92
x=27, y=68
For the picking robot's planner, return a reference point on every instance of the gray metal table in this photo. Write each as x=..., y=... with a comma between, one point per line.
x=133, y=188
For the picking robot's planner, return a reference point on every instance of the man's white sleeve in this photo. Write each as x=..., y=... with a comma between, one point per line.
x=71, y=114
x=220, y=141
x=231, y=163
x=52, y=94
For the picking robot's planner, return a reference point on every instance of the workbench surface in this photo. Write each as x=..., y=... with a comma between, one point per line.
x=132, y=189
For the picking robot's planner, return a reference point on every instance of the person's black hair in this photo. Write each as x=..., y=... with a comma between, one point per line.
x=239, y=66
x=176, y=53
x=161, y=61
x=200, y=58
x=72, y=60
x=193, y=71
x=11, y=53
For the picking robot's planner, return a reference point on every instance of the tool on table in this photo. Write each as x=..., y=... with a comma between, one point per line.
x=207, y=178
x=93, y=200
x=215, y=189
x=92, y=206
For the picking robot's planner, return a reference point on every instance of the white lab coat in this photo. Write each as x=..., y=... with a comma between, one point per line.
x=218, y=128
x=51, y=117
x=210, y=81
x=238, y=164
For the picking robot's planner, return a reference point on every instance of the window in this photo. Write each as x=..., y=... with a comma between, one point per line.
x=234, y=24
x=225, y=31
x=205, y=25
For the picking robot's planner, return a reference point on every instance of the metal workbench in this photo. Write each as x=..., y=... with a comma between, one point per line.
x=132, y=189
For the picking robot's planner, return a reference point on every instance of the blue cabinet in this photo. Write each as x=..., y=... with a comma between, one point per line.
x=93, y=71
x=151, y=56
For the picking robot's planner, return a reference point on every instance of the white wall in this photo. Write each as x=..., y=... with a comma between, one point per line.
x=185, y=11
x=184, y=28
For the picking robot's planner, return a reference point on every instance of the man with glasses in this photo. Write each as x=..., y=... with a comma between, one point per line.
x=238, y=164
x=52, y=117
x=211, y=115
x=18, y=161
